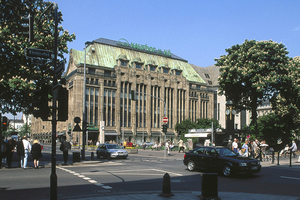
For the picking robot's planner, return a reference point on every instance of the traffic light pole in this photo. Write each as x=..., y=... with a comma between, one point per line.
x=53, y=176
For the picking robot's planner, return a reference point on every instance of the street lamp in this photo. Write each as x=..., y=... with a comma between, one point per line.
x=84, y=121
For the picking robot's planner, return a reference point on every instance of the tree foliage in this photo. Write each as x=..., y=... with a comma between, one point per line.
x=253, y=72
x=20, y=75
x=275, y=130
x=287, y=104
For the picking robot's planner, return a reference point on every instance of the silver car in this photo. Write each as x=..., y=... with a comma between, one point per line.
x=111, y=151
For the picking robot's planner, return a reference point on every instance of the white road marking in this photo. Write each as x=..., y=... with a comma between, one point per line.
x=106, y=187
x=290, y=177
x=86, y=178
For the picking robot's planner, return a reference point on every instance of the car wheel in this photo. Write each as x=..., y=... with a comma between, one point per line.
x=108, y=157
x=227, y=170
x=191, y=165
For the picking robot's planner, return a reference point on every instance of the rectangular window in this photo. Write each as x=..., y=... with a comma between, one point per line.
x=138, y=66
x=165, y=70
x=152, y=68
x=123, y=63
x=178, y=73
x=96, y=106
x=91, y=71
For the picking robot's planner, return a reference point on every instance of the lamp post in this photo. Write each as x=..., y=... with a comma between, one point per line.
x=84, y=121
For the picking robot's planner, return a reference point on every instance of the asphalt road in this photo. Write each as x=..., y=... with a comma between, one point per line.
x=140, y=172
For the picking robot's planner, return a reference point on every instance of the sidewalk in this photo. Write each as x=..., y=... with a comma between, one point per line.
x=193, y=195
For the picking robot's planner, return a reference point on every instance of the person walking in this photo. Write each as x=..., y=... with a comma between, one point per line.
x=235, y=146
x=180, y=144
x=245, y=149
x=65, y=147
x=229, y=144
x=10, y=147
x=36, y=152
x=27, y=149
x=293, y=148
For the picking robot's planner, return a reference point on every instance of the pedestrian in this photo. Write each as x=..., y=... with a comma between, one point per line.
x=171, y=146
x=97, y=143
x=168, y=147
x=36, y=152
x=235, y=146
x=27, y=149
x=245, y=149
x=20, y=151
x=144, y=145
x=229, y=145
x=10, y=147
x=180, y=144
x=293, y=148
x=65, y=147
x=2, y=150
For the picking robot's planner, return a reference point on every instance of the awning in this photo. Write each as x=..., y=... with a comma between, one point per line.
x=196, y=135
x=110, y=133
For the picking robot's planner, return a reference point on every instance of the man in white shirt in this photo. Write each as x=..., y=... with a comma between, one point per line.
x=27, y=149
x=235, y=146
x=294, y=148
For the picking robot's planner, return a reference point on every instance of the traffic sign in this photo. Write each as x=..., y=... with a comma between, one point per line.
x=165, y=120
x=39, y=53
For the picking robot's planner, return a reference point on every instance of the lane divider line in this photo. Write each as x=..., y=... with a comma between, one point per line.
x=86, y=178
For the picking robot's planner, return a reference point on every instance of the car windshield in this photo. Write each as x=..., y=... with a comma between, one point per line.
x=114, y=146
x=225, y=152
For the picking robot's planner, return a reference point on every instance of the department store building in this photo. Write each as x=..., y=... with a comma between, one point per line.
x=165, y=85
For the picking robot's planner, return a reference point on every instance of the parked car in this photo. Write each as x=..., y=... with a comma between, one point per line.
x=111, y=151
x=221, y=160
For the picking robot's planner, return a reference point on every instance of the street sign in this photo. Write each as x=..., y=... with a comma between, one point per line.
x=39, y=53
x=165, y=120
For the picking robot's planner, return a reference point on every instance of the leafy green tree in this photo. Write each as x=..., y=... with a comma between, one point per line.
x=287, y=104
x=20, y=75
x=24, y=130
x=253, y=72
x=274, y=128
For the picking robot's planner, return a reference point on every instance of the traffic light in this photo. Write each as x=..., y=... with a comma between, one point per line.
x=63, y=100
x=133, y=95
x=27, y=26
x=4, y=123
x=40, y=106
x=164, y=128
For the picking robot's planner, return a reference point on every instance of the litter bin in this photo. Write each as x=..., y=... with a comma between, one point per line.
x=76, y=157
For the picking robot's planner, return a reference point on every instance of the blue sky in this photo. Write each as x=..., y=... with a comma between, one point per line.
x=196, y=30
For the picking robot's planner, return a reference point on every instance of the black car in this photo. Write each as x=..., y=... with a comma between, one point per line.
x=221, y=160
x=111, y=151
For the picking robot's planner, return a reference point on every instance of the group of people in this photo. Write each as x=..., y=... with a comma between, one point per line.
x=23, y=148
x=256, y=148
x=249, y=148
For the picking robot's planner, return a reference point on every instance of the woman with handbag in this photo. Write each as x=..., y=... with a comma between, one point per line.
x=36, y=152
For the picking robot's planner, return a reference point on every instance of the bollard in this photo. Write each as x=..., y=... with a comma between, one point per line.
x=298, y=159
x=209, y=186
x=166, y=189
x=273, y=155
x=291, y=158
x=278, y=158
x=92, y=155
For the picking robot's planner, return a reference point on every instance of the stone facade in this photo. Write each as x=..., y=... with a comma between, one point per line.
x=165, y=85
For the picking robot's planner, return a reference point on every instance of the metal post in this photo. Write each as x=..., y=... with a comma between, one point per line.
x=278, y=159
x=53, y=176
x=84, y=119
x=290, y=157
x=123, y=139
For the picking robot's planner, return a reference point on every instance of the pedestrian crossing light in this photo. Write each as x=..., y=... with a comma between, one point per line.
x=164, y=128
x=4, y=124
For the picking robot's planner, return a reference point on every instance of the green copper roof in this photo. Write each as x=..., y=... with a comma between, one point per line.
x=105, y=55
